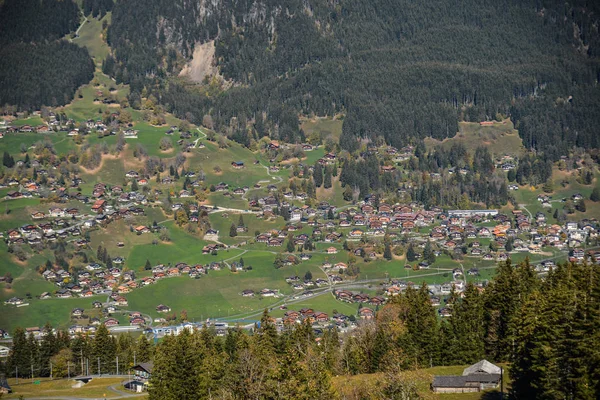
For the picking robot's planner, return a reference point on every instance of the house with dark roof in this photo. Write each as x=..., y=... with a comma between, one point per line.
x=143, y=372
x=476, y=378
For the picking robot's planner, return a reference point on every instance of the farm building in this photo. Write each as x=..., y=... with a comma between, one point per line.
x=480, y=376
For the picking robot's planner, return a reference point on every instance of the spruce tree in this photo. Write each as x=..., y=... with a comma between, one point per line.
x=103, y=351
x=48, y=348
x=410, y=253
x=318, y=175
x=387, y=252
x=327, y=180
x=595, y=196
x=20, y=357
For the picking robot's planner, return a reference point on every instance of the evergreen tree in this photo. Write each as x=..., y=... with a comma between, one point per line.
x=143, y=349
x=232, y=230
x=20, y=356
x=595, y=196
x=290, y=244
x=327, y=180
x=387, y=252
x=428, y=253
x=318, y=175
x=48, y=348
x=103, y=352
x=410, y=253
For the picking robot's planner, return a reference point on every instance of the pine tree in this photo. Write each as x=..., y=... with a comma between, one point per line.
x=241, y=221
x=290, y=244
x=327, y=180
x=318, y=175
x=410, y=253
x=232, y=230
x=48, y=348
x=387, y=252
x=8, y=161
x=595, y=196
x=20, y=356
x=103, y=351
x=428, y=253
x=143, y=349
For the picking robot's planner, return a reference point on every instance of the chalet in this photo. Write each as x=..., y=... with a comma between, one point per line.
x=143, y=372
x=237, y=164
x=99, y=206
x=111, y=322
x=63, y=294
x=161, y=308
x=142, y=229
x=77, y=312
x=137, y=321
x=366, y=313
x=476, y=378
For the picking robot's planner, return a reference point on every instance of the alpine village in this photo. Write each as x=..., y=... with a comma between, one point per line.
x=300, y=199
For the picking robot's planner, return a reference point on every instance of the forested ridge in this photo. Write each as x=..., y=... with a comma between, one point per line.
x=402, y=70
x=37, y=67
x=545, y=328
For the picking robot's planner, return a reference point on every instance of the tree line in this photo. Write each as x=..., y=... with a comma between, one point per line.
x=545, y=328
x=58, y=355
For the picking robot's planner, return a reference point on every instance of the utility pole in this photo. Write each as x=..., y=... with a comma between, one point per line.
x=99, y=366
x=50, y=371
x=87, y=362
x=17, y=374
x=68, y=369
x=81, y=353
x=117, y=365
x=31, y=372
x=134, y=358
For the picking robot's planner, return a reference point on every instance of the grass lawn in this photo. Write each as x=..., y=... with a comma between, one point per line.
x=325, y=127
x=360, y=386
x=500, y=138
x=90, y=38
x=97, y=388
x=33, y=120
x=12, y=143
x=218, y=293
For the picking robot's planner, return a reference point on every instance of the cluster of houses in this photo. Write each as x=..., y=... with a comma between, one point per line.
x=361, y=298
x=92, y=280
x=97, y=279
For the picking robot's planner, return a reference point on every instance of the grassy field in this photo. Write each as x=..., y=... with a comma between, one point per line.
x=97, y=388
x=12, y=143
x=90, y=38
x=527, y=195
x=219, y=293
x=362, y=386
x=501, y=138
x=325, y=127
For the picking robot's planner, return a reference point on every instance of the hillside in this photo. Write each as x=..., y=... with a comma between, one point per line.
x=33, y=37
x=401, y=71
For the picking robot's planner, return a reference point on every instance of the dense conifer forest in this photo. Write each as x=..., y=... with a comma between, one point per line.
x=37, y=67
x=400, y=71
